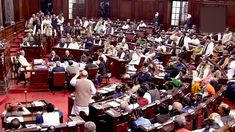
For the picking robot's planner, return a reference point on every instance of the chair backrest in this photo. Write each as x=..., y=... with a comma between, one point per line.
x=142, y=59
x=59, y=78
x=92, y=72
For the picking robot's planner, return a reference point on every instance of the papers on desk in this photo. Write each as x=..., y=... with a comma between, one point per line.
x=38, y=103
x=102, y=91
x=31, y=126
x=108, y=89
x=157, y=124
x=76, y=119
x=113, y=104
x=37, y=61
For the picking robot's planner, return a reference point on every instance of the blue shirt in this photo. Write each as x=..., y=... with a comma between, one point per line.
x=140, y=121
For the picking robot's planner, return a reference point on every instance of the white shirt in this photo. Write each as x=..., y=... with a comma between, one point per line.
x=141, y=25
x=125, y=26
x=209, y=49
x=148, y=97
x=135, y=59
x=162, y=47
x=23, y=61
x=85, y=24
x=195, y=41
x=51, y=118
x=73, y=45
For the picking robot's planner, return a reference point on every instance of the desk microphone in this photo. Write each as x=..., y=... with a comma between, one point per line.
x=25, y=95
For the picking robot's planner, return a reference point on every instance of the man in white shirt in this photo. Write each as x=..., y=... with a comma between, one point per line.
x=84, y=89
x=142, y=24
x=227, y=36
x=73, y=45
x=208, y=47
x=125, y=26
x=45, y=22
x=23, y=61
x=195, y=40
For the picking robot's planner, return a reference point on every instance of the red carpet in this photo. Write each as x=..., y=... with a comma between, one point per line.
x=59, y=99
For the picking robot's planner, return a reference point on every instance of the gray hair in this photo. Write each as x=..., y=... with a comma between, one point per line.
x=90, y=126
x=180, y=121
x=58, y=63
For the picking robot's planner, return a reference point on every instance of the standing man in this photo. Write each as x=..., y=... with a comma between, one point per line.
x=84, y=88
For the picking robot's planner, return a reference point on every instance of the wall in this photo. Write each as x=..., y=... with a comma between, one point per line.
x=133, y=9
x=195, y=6
x=60, y=6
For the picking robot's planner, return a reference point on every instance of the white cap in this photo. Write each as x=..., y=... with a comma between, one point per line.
x=156, y=14
x=189, y=16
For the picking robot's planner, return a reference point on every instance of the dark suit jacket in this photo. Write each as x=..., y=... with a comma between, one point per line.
x=56, y=58
x=67, y=58
x=90, y=65
x=161, y=118
x=102, y=68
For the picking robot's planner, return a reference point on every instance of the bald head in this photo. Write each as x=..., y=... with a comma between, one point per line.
x=84, y=74
x=177, y=105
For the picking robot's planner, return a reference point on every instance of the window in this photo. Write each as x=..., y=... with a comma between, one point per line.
x=71, y=2
x=72, y=7
x=179, y=12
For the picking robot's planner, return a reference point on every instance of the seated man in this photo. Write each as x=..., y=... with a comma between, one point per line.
x=90, y=126
x=162, y=116
x=224, y=111
x=90, y=64
x=143, y=75
x=118, y=92
x=67, y=56
x=28, y=39
x=180, y=123
x=53, y=57
x=132, y=103
x=141, y=100
x=23, y=61
x=138, y=119
x=24, y=65
x=71, y=69
x=58, y=68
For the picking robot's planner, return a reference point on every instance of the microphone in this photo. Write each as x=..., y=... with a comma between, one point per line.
x=25, y=95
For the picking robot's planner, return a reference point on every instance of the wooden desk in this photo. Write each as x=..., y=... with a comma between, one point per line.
x=104, y=92
x=74, y=124
x=117, y=66
x=28, y=118
x=77, y=53
x=39, y=79
x=32, y=52
x=117, y=120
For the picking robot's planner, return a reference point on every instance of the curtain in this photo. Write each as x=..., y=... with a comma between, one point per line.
x=1, y=23
x=9, y=13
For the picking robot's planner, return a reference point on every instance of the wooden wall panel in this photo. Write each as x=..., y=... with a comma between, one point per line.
x=195, y=7
x=125, y=9
x=148, y=9
x=57, y=6
x=230, y=21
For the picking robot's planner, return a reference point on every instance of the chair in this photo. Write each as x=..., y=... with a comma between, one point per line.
x=92, y=73
x=140, y=64
x=68, y=79
x=59, y=79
